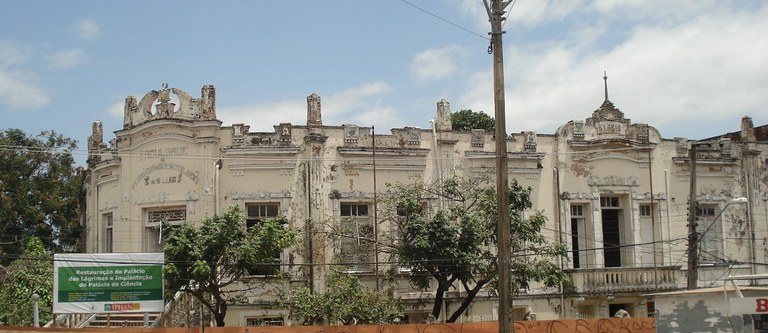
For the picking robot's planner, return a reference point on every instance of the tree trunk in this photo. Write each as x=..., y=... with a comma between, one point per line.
x=465, y=303
x=219, y=317
x=439, y=296
x=221, y=309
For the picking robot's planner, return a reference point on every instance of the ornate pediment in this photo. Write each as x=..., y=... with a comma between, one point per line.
x=162, y=104
x=607, y=112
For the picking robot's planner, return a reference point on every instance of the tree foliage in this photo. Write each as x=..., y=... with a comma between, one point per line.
x=39, y=192
x=30, y=274
x=466, y=119
x=345, y=301
x=210, y=262
x=454, y=245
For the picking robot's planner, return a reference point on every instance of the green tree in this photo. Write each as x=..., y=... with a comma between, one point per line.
x=210, y=262
x=39, y=192
x=454, y=246
x=30, y=274
x=466, y=119
x=345, y=301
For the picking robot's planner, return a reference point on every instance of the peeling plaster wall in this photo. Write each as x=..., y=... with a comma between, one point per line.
x=704, y=312
x=170, y=149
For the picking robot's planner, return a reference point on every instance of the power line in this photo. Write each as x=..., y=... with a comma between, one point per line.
x=444, y=20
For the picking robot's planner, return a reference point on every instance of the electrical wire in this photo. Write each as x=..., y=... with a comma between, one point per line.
x=444, y=20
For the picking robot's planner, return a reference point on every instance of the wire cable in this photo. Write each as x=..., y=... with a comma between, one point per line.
x=444, y=20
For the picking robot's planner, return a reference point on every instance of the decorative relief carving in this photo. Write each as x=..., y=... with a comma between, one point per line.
x=354, y=194
x=96, y=142
x=577, y=196
x=351, y=134
x=238, y=133
x=259, y=195
x=611, y=127
x=208, y=102
x=530, y=141
x=413, y=136
x=314, y=117
x=726, y=148
x=478, y=138
x=285, y=132
x=578, y=129
x=443, y=122
x=189, y=108
x=613, y=181
x=262, y=140
x=642, y=132
x=682, y=147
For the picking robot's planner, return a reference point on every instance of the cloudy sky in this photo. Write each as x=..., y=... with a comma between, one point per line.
x=690, y=68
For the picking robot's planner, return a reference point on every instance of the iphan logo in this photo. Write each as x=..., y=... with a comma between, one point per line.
x=122, y=307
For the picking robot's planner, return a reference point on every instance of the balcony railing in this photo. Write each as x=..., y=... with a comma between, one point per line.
x=638, y=279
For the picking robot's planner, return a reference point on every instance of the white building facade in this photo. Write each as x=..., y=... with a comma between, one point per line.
x=615, y=192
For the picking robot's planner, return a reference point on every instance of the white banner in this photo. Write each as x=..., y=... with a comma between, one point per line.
x=749, y=305
x=108, y=282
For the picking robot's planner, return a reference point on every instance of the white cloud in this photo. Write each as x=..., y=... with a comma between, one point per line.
x=356, y=105
x=263, y=116
x=707, y=67
x=535, y=12
x=435, y=64
x=18, y=91
x=116, y=110
x=11, y=54
x=66, y=58
x=88, y=28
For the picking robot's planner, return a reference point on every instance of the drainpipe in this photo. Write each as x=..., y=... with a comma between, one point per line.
x=217, y=171
x=753, y=256
x=438, y=163
x=310, y=229
x=559, y=235
x=669, y=232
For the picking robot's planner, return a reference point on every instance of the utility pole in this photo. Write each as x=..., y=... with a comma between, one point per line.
x=496, y=16
x=693, y=237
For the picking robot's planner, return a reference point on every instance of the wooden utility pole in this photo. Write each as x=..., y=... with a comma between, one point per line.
x=496, y=16
x=693, y=236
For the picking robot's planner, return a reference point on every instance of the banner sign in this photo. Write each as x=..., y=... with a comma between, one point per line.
x=108, y=282
x=749, y=305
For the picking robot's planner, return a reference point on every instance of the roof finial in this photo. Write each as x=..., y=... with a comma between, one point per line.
x=605, y=78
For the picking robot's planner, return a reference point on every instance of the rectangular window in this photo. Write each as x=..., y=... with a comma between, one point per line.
x=578, y=236
x=577, y=210
x=153, y=241
x=709, y=230
x=645, y=210
x=644, y=252
x=650, y=308
x=609, y=202
x=255, y=214
x=109, y=234
x=264, y=321
x=356, y=237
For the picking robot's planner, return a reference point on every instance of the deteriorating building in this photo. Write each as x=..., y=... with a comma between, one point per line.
x=615, y=192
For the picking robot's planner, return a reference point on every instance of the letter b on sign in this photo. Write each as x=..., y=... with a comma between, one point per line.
x=761, y=305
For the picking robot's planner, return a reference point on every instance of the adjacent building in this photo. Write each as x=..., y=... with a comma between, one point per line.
x=616, y=192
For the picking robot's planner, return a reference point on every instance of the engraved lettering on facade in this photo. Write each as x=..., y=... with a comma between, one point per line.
x=167, y=152
x=144, y=176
